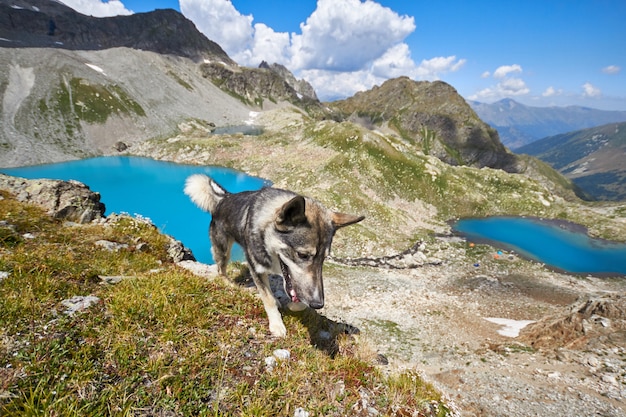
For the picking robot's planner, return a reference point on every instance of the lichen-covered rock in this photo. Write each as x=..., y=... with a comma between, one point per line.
x=70, y=200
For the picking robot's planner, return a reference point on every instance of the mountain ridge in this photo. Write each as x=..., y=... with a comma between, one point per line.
x=592, y=158
x=40, y=23
x=519, y=124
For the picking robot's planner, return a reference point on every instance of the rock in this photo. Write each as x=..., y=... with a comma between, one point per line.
x=178, y=252
x=79, y=303
x=300, y=412
x=282, y=354
x=270, y=363
x=69, y=200
x=120, y=146
x=3, y=275
x=111, y=246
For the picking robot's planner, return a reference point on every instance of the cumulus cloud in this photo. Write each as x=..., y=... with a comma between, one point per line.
x=611, y=69
x=342, y=47
x=98, y=8
x=221, y=22
x=590, y=91
x=551, y=92
x=504, y=70
x=507, y=86
x=346, y=35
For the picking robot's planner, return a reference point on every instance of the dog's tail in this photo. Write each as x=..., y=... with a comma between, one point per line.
x=204, y=192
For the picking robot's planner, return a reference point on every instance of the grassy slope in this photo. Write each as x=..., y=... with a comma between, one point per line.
x=162, y=341
x=404, y=194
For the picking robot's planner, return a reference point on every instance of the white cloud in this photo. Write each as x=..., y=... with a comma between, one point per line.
x=507, y=86
x=551, y=92
x=221, y=22
x=343, y=47
x=590, y=91
x=266, y=45
x=98, y=8
x=505, y=70
x=611, y=69
x=347, y=35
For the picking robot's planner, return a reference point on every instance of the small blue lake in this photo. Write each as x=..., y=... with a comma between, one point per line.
x=557, y=244
x=153, y=189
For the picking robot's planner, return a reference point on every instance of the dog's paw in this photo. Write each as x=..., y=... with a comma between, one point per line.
x=278, y=329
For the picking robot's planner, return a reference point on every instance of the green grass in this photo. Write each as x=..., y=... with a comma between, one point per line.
x=163, y=341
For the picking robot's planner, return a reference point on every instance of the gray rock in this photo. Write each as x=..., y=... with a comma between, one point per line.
x=79, y=303
x=70, y=200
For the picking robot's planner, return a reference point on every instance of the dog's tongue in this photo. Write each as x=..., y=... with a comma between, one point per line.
x=294, y=296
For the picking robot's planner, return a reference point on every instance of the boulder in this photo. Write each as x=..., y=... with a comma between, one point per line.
x=69, y=200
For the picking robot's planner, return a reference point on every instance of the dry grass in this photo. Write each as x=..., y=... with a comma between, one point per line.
x=164, y=342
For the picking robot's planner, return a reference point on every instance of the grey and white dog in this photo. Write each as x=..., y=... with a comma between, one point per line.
x=280, y=232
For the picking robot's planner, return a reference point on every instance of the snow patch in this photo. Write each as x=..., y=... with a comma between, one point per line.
x=252, y=117
x=95, y=68
x=510, y=328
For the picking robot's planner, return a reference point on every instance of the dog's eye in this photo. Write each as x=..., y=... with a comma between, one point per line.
x=304, y=256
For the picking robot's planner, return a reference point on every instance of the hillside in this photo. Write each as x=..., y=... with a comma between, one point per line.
x=432, y=116
x=519, y=125
x=167, y=338
x=51, y=24
x=592, y=158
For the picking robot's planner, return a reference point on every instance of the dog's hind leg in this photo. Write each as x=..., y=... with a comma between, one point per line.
x=277, y=327
x=220, y=249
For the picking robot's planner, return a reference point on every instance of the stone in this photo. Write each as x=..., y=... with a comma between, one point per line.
x=69, y=200
x=79, y=303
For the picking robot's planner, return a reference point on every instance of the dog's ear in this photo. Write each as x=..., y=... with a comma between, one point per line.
x=291, y=214
x=342, y=219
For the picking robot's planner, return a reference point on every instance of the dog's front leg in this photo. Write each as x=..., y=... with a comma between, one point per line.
x=277, y=327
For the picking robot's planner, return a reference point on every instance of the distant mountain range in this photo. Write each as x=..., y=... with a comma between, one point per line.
x=519, y=125
x=593, y=158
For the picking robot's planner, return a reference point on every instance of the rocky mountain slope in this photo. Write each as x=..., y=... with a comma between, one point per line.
x=592, y=158
x=519, y=125
x=434, y=118
x=45, y=23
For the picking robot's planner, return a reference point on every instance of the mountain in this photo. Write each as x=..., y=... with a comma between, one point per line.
x=51, y=24
x=593, y=158
x=519, y=125
x=74, y=86
x=432, y=116
x=104, y=85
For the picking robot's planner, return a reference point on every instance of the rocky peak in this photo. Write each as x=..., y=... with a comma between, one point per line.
x=51, y=24
x=301, y=87
x=433, y=116
x=256, y=85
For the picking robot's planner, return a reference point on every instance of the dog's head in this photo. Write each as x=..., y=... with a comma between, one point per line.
x=306, y=229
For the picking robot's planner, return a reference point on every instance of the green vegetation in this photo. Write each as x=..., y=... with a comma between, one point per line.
x=92, y=103
x=179, y=80
x=163, y=341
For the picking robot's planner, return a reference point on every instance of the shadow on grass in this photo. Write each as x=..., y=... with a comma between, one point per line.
x=324, y=333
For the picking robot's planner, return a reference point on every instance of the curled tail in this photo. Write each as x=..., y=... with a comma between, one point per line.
x=204, y=192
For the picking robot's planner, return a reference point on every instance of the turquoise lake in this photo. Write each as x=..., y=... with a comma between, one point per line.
x=552, y=243
x=152, y=189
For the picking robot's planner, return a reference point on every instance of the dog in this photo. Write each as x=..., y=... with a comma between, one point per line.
x=281, y=233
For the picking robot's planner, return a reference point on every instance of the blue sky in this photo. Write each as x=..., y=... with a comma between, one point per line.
x=537, y=52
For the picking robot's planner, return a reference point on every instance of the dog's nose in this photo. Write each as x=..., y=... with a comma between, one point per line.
x=316, y=304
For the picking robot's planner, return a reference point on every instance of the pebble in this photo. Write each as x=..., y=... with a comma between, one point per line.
x=300, y=412
x=79, y=303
